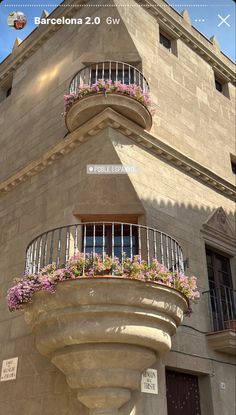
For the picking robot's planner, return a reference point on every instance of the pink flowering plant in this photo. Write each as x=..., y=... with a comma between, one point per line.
x=107, y=87
x=91, y=265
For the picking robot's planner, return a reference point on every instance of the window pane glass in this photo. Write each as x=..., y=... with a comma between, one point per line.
x=233, y=165
x=210, y=274
x=109, y=240
x=165, y=41
x=218, y=86
x=220, y=285
x=119, y=75
x=209, y=259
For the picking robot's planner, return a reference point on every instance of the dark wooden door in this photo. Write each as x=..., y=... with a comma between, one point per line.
x=182, y=394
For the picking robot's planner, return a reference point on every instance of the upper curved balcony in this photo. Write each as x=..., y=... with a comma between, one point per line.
x=113, y=84
x=115, y=239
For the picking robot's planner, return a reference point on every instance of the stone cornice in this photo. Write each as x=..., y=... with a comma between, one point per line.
x=168, y=18
x=145, y=140
x=164, y=14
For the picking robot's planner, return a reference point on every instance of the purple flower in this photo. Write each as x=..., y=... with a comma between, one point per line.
x=107, y=86
x=92, y=265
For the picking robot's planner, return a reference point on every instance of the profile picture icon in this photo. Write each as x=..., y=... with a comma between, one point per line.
x=17, y=20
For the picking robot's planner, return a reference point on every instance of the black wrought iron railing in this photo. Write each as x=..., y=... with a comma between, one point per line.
x=114, y=71
x=222, y=308
x=115, y=239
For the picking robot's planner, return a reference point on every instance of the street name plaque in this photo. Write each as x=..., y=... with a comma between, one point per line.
x=9, y=369
x=149, y=381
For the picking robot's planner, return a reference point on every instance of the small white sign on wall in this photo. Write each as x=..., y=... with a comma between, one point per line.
x=9, y=369
x=149, y=381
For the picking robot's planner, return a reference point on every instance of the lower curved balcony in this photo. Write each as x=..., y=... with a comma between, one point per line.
x=102, y=332
x=116, y=85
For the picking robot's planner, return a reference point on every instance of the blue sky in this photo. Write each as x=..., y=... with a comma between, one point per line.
x=204, y=15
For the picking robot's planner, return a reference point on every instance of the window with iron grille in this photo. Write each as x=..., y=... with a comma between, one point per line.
x=111, y=239
x=221, y=290
x=124, y=76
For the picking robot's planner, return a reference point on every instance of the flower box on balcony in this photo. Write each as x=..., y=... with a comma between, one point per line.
x=102, y=333
x=84, y=108
x=99, y=318
x=113, y=84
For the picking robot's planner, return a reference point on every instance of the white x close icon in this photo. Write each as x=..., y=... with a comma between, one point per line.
x=223, y=20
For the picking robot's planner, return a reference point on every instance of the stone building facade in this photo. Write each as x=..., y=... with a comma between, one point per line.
x=183, y=186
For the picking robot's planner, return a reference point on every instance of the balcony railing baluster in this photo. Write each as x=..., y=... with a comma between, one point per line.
x=148, y=246
x=109, y=69
x=155, y=244
x=161, y=249
x=227, y=306
x=210, y=308
x=94, y=239
x=122, y=243
x=34, y=256
x=232, y=305
x=76, y=240
x=113, y=244
x=58, y=249
x=135, y=81
x=167, y=252
x=51, y=247
x=131, y=242
x=45, y=249
x=216, y=311
x=115, y=70
x=104, y=238
x=139, y=242
x=222, y=308
x=40, y=252
x=176, y=257
x=85, y=239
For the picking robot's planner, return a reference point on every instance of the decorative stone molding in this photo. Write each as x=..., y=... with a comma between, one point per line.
x=164, y=14
x=103, y=332
x=215, y=42
x=17, y=42
x=218, y=231
x=186, y=16
x=111, y=118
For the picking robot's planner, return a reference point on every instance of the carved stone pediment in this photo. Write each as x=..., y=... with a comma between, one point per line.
x=217, y=229
x=219, y=222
